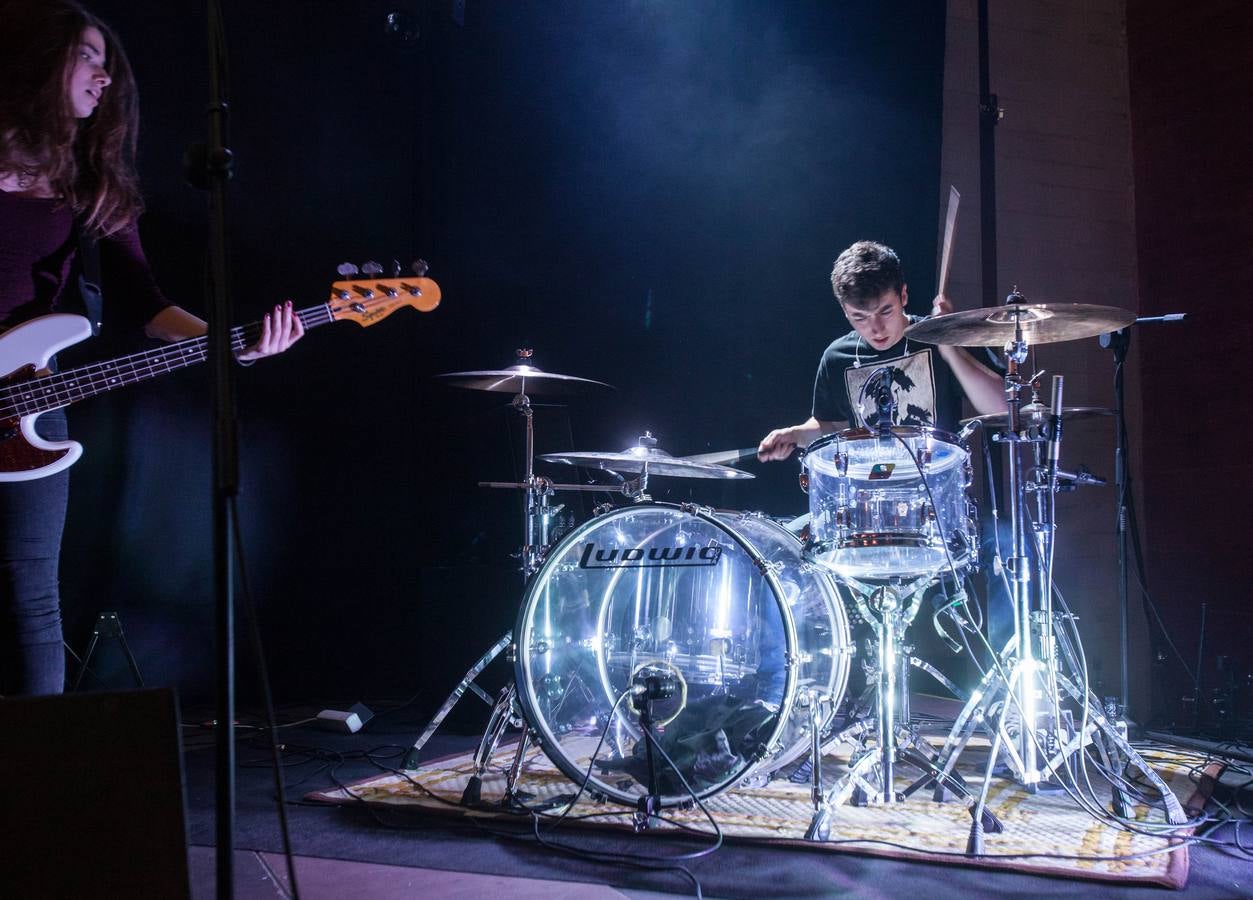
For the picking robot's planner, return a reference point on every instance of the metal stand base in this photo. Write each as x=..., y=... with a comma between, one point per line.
x=1058, y=741
x=108, y=625
x=871, y=775
x=505, y=714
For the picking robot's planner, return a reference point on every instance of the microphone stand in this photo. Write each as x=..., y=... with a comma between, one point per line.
x=1120, y=343
x=208, y=167
x=649, y=688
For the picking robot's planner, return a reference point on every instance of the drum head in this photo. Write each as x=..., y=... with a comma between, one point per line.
x=656, y=595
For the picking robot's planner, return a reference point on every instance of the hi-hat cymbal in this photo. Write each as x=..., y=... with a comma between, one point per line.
x=637, y=459
x=1035, y=415
x=1041, y=323
x=522, y=379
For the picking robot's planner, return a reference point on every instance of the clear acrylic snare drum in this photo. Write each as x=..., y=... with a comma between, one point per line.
x=889, y=505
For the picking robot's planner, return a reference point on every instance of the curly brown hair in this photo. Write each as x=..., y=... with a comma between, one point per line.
x=864, y=271
x=90, y=163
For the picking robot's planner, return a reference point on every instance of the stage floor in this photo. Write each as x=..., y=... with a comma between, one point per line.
x=263, y=876
x=353, y=851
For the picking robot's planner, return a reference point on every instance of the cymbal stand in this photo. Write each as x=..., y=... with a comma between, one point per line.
x=1015, y=672
x=537, y=517
x=1018, y=566
x=538, y=514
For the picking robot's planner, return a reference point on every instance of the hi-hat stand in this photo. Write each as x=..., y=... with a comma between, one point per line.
x=1023, y=690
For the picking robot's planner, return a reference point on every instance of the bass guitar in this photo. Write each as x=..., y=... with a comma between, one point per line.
x=30, y=389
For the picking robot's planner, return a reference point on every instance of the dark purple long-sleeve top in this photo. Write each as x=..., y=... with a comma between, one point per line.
x=38, y=242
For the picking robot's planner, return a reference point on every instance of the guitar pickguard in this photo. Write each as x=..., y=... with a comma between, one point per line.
x=19, y=456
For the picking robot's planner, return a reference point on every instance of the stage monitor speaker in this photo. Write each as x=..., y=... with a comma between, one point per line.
x=92, y=803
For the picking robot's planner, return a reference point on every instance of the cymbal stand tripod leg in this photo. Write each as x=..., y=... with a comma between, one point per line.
x=1115, y=752
x=980, y=817
x=515, y=768
x=975, y=713
x=466, y=684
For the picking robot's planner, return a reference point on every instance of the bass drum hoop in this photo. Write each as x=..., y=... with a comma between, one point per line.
x=548, y=741
x=842, y=652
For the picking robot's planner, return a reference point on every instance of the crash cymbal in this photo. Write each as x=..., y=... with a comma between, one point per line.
x=636, y=459
x=522, y=378
x=1042, y=323
x=1035, y=415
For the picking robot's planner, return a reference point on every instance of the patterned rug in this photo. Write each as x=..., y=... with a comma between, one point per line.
x=1045, y=833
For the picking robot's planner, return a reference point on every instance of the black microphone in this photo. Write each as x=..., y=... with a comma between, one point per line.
x=1118, y=339
x=1055, y=428
x=885, y=403
x=1083, y=476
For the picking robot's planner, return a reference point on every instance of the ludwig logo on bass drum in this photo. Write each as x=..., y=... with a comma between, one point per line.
x=644, y=558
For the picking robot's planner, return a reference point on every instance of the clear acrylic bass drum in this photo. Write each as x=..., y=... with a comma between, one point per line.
x=722, y=604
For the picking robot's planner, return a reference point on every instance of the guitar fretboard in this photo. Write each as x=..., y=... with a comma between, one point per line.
x=63, y=388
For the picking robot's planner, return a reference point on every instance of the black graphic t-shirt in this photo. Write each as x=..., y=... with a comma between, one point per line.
x=926, y=390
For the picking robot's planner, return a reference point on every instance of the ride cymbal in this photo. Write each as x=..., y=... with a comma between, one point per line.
x=1040, y=323
x=1035, y=415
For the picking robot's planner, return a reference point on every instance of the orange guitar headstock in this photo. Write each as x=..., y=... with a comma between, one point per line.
x=366, y=299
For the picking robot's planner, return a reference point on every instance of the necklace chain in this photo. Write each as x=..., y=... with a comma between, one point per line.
x=857, y=352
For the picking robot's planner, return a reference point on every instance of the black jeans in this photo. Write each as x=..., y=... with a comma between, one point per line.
x=32, y=519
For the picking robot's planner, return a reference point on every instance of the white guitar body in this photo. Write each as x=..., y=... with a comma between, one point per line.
x=25, y=456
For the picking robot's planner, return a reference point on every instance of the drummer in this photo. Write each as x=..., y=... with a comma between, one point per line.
x=869, y=284
x=928, y=385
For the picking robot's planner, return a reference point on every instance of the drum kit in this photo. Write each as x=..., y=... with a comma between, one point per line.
x=720, y=641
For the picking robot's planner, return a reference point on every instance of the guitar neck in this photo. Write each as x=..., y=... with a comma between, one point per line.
x=63, y=388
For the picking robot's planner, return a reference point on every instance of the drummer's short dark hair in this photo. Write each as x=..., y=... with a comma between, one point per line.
x=864, y=271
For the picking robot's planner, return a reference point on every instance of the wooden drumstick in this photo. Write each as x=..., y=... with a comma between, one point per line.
x=722, y=457
x=950, y=226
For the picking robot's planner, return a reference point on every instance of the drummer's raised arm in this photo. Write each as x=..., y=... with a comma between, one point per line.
x=984, y=388
x=780, y=443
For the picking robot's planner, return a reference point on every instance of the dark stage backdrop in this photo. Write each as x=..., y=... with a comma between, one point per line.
x=647, y=193
x=1194, y=228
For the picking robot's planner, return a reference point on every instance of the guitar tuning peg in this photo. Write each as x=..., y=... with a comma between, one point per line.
x=420, y=268
x=371, y=268
x=396, y=268
x=347, y=269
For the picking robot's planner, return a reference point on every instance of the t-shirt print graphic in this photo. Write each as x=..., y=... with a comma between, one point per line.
x=913, y=389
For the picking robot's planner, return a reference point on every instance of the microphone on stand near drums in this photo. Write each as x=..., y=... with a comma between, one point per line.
x=1055, y=429
x=885, y=403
